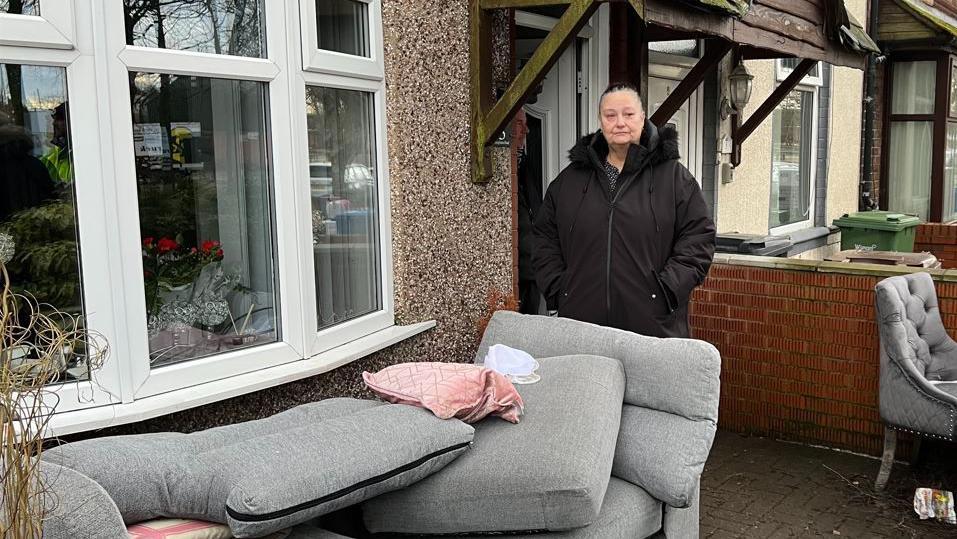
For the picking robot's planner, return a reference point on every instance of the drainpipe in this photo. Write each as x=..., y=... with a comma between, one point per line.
x=868, y=202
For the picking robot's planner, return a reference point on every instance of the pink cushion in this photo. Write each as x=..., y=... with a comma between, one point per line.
x=465, y=391
x=174, y=528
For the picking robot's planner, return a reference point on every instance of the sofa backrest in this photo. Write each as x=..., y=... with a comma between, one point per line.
x=679, y=376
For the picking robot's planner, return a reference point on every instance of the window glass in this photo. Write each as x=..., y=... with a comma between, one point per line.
x=202, y=174
x=790, y=63
x=21, y=7
x=234, y=27
x=953, y=90
x=791, y=159
x=914, y=87
x=342, y=178
x=909, y=166
x=38, y=234
x=343, y=26
x=950, y=174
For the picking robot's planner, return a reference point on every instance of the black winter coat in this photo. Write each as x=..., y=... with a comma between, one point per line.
x=628, y=260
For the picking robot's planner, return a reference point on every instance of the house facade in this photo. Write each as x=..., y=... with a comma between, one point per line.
x=254, y=202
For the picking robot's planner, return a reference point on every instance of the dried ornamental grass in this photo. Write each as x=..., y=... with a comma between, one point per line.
x=36, y=340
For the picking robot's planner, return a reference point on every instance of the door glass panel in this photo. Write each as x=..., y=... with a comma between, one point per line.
x=658, y=91
x=21, y=7
x=206, y=220
x=343, y=26
x=342, y=178
x=910, y=167
x=38, y=234
x=233, y=27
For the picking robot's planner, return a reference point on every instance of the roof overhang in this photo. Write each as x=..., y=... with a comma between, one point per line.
x=933, y=17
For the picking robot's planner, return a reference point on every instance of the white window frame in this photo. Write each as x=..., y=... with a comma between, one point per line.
x=319, y=60
x=782, y=72
x=809, y=222
x=99, y=297
x=364, y=80
x=98, y=62
x=53, y=28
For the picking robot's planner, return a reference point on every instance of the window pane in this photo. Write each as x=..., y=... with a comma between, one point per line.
x=950, y=174
x=343, y=26
x=791, y=159
x=914, y=87
x=791, y=63
x=342, y=177
x=38, y=235
x=22, y=7
x=909, y=167
x=202, y=176
x=234, y=27
x=953, y=90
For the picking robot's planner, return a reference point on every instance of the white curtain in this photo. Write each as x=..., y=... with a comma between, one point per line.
x=909, y=170
x=914, y=87
x=950, y=174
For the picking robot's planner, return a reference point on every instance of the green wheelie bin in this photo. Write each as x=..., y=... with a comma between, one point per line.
x=878, y=231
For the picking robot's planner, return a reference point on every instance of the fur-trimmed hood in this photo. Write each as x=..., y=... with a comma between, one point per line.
x=656, y=147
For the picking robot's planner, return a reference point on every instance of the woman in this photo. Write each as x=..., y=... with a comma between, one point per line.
x=624, y=235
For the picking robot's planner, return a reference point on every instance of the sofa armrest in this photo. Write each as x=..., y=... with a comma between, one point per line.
x=679, y=376
x=662, y=453
x=77, y=506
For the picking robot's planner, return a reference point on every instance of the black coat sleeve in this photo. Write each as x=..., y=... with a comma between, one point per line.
x=694, y=240
x=547, y=258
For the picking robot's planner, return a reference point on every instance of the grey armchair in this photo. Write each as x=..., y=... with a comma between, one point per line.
x=916, y=354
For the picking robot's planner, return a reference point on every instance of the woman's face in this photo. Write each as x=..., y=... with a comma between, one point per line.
x=622, y=118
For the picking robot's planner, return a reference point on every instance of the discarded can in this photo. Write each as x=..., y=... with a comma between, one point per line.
x=933, y=503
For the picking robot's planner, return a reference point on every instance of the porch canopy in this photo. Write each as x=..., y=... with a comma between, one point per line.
x=915, y=24
x=812, y=30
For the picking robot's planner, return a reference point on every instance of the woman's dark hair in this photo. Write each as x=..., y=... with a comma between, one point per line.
x=620, y=87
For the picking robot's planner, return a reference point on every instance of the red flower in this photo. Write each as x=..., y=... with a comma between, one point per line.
x=219, y=253
x=209, y=245
x=192, y=250
x=148, y=242
x=164, y=245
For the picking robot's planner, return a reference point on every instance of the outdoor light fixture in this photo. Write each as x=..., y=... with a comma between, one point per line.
x=741, y=81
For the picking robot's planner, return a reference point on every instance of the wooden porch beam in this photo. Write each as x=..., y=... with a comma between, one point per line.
x=480, y=68
x=742, y=133
x=715, y=51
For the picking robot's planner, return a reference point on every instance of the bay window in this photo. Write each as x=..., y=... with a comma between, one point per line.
x=165, y=166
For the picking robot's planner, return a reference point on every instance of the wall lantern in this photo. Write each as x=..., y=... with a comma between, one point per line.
x=741, y=82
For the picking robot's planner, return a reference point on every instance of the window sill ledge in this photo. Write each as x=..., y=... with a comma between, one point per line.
x=175, y=401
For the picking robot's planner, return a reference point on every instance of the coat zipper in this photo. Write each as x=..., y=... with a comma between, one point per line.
x=247, y=517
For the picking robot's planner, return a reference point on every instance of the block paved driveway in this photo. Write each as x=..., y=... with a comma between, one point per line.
x=754, y=487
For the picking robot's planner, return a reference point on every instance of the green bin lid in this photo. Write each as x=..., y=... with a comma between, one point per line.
x=877, y=220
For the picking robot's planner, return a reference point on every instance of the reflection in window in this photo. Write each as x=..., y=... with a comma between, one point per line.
x=21, y=7
x=342, y=178
x=38, y=236
x=343, y=26
x=233, y=27
x=953, y=90
x=202, y=176
x=791, y=159
x=789, y=64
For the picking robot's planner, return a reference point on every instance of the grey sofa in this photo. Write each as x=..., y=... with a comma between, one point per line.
x=612, y=445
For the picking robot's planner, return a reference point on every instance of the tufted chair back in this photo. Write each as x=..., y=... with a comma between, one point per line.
x=915, y=348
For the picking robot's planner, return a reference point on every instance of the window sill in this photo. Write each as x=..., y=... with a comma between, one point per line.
x=175, y=401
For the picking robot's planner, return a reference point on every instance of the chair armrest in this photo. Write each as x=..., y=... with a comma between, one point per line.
x=77, y=506
x=910, y=402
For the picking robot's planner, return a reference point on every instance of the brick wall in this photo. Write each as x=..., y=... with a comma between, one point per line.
x=799, y=350
x=939, y=239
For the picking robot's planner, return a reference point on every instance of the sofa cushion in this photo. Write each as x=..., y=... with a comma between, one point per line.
x=77, y=506
x=628, y=512
x=133, y=469
x=662, y=452
x=283, y=479
x=548, y=472
x=680, y=376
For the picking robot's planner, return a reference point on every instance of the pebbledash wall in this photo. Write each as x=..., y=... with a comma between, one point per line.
x=940, y=240
x=799, y=346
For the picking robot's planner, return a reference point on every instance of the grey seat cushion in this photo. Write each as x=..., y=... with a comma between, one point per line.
x=549, y=472
x=133, y=469
x=77, y=506
x=627, y=513
x=663, y=453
